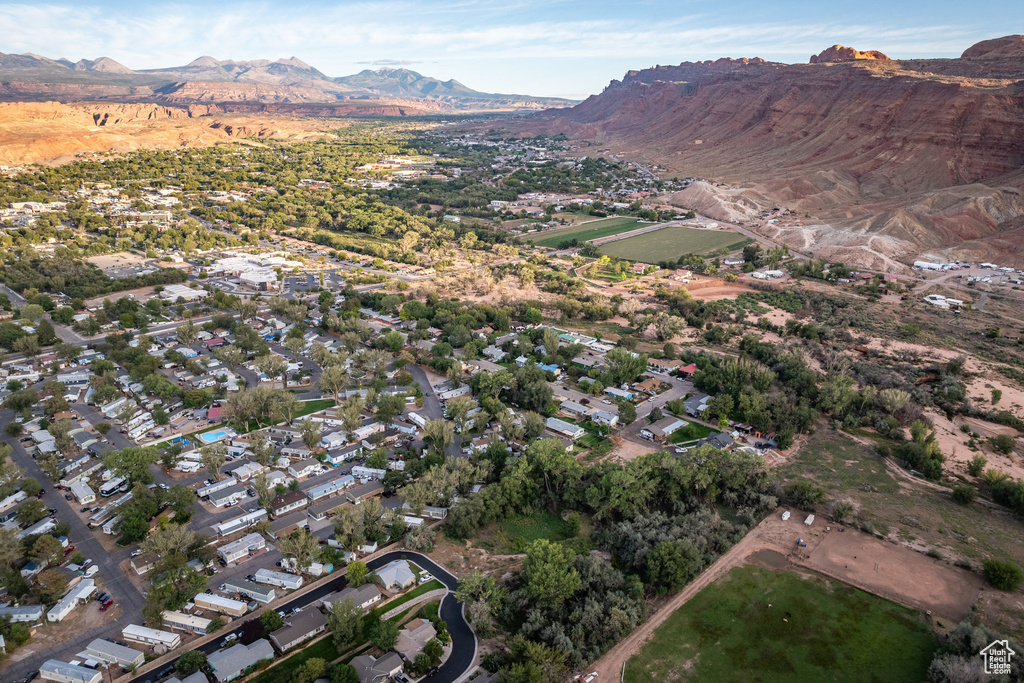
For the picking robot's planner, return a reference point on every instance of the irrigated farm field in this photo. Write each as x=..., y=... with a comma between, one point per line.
x=671, y=243
x=755, y=624
x=591, y=230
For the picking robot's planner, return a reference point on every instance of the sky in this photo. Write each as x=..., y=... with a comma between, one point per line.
x=564, y=48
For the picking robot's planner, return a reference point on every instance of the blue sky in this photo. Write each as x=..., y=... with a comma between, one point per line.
x=538, y=47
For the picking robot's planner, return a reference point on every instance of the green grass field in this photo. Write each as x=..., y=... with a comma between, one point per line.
x=671, y=243
x=591, y=230
x=813, y=631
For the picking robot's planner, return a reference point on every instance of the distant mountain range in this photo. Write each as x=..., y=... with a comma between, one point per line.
x=205, y=80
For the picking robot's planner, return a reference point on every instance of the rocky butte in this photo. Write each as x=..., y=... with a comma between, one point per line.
x=880, y=157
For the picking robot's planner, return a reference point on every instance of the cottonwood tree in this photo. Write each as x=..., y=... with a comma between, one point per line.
x=333, y=380
x=346, y=623
x=301, y=546
x=213, y=457
x=310, y=432
x=441, y=434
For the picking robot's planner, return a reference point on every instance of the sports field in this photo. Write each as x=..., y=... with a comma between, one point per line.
x=755, y=624
x=670, y=243
x=591, y=230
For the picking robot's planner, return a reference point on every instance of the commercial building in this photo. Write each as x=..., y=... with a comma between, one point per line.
x=62, y=672
x=114, y=653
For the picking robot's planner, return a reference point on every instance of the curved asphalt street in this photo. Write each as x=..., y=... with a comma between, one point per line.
x=463, y=638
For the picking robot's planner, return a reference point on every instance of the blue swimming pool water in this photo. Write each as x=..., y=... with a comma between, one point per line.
x=213, y=437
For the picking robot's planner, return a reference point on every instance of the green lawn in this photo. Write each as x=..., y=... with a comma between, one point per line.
x=671, y=243
x=285, y=670
x=766, y=626
x=591, y=230
x=535, y=527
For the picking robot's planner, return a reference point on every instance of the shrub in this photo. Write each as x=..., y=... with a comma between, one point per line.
x=1004, y=575
x=190, y=662
x=1003, y=443
x=964, y=494
x=976, y=466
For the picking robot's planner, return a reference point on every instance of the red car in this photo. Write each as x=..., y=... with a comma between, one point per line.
x=106, y=603
x=70, y=549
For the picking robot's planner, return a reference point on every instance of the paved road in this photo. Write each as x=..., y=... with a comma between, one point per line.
x=110, y=578
x=432, y=409
x=463, y=638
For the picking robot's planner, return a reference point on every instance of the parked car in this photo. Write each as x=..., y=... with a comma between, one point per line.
x=426, y=578
x=83, y=510
x=67, y=496
x=136, y=552
x=70, y=549
x=232, y=637
x=106, y=604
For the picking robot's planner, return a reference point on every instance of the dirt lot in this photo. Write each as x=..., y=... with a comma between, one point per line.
x=885, y=569
x=142, y=295
x=881, y=568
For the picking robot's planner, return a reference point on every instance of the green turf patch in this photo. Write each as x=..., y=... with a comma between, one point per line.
x=284, y=671
x=760, y=625
x=670, y=243
x=585, y=232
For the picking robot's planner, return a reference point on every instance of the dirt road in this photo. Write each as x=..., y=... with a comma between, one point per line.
x=770, y=534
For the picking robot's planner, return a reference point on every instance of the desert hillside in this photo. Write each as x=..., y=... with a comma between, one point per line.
x=925, y=154
x=54, y=133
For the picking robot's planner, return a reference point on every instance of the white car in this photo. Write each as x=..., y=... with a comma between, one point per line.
x=590, y=677
x=425, y=578
x=606, y=402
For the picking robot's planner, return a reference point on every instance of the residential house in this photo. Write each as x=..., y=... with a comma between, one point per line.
x=248, y=589
x=619, y=394
x=720, y=441
x=82, y=492
x=62, y=672
x=412, y=639
x=229, y=664
x=361, y=596
x=108, y=651
x=150, y=636
x=662, y=429
x=290, y=501
x=603, y=417
x=250, y=544
x=648, y=386
x=302, y=468
x=563, y=428
x=664, y=365
x=299, y=628
x=396, y=576
x=696, y=404
x=377, y=670
x=227, y=497
x=280, y=579
x=186, y=622
x=220, y=604
x=574, y=409
x=30, y=614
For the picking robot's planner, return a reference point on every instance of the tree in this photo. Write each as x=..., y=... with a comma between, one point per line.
x=1003, y=575
x=47, y=550
x=344, y=673
x=348, y=530
x=10, y=548
x=214, y=456
x=33, y=312
x=434, y=650
x=301, y=546
x=1003, y=443
x=627, y=412
x=30, y=512
x=346, y=623
x=187, y=334
x=27, y=346
x=805, y=494
x=271, y=621
x=964, y=494
x=351, y=413
x=262, y=488
x=389, y=407
x=356, y=573
x=194, y=660
x=421, y=664
x=441, y=434
x=976, y=467
x=333, y=380
x=624, y=367
x=133, y=463
x=548, y=574
x=51, y=584
x=311, y=433
x=533, y=425
x=271, y=365
x=458, y=411
x=173, y=540
x=384, y=634
x=261, y=447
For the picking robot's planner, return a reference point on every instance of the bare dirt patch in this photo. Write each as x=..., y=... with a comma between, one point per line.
x=884, y=569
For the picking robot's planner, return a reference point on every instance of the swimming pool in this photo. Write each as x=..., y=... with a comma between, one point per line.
x=214, y=437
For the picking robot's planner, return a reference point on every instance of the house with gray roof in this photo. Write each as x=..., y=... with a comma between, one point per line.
x=299, y=628
x=396, y=576
x=377, y=670
x=229, y=664
x=361, y=596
